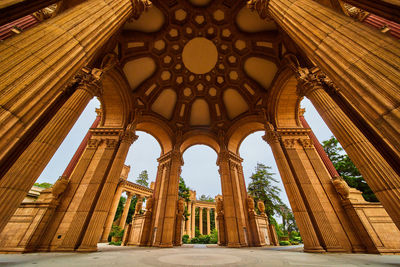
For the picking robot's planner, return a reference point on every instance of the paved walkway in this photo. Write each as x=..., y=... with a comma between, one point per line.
x=215, y=256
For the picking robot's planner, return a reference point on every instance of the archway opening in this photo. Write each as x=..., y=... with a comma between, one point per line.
x=200, y=175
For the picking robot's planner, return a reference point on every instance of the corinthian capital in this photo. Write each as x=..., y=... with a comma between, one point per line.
x=308, y=80
x=261, y=6
x=90, y=80
x=271, y=136
x=139, y=6
x=129, y=134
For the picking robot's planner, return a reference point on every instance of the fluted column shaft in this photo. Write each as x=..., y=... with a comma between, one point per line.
x=111, y=215
x=379, y=175
x=19, y=179
x=187, y=223
x=36, y=65
x=201, y=220
x=124, y=215
x=208, y=222
x=308, y=234
x=103, y=204
x=361, y=61
x=215, y=220
x=193, y=215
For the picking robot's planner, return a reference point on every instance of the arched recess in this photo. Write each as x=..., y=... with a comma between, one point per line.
x=115, y=100
x=241, y=129
x=283, y=102
x=159, y=130
x=193, y=138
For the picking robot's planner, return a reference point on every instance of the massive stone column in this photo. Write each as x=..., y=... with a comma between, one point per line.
x=235, y=213
x=19, y=179
x=166, y=199
x=215, y=220
x=201, y=220
x=193, y=215
x=361, y=61
x=303, y=220
x=36, y=65
x=382, y=179
x=188, y=222
x=111, y=214
x=82, y=194
x=208, y=222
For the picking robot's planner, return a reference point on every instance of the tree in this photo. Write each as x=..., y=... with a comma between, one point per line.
x=346, y=168
x=120, y=208
x=184, y=192
x=262, y=187
x=206, y=198
x=43, y=185
x=143, y=179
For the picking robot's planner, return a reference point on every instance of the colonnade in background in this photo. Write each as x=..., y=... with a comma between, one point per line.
x=202, y=207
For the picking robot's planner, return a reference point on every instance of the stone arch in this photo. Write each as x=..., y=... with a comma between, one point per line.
x=159, y=130
x=241, y=129
x=199, y=138
x=115, y=100
x=283, y=100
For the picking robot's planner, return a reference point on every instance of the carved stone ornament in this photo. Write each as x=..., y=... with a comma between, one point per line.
x=149, y=205
x=341, y=187
x=261, y=207
x=129, y=133
x=355, y=12
x=261, y=6
x=46, y=13
x=220, y=207
x=306, y=143
x=289, y=143
x=139, y=205
x=93, y=143
x=181, y=206
x=250, y=205
x=59, y=187
x=139, y=6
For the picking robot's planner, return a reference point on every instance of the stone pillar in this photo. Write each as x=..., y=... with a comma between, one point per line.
x=188, y=222
x=208, y=222
x=193, y=215
x=232, y=211
x=30, y=85
x=167, y=198
x=379, y=175
x=303, y=220
x=361, y=61
x=111, y=214
x=201, y=220
x=19, y=179
x=124, y=215
x=215, y=220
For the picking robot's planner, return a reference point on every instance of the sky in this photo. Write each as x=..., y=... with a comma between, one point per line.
x=199, y=171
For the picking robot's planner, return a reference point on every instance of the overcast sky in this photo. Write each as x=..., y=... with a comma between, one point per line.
x=199, y=171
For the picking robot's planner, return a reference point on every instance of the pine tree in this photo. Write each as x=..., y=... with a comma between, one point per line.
x=143, y=179
x=347, y=169
x=262, y=187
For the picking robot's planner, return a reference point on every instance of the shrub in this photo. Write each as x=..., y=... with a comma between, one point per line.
x=294, y=242
x=115, y=243
x=194, y=240
x=284, y=243
x=185, y=239
x=214, y=237
x=116, y=231
x=204, y=239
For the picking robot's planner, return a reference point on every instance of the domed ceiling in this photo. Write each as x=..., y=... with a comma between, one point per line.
x=199, y=63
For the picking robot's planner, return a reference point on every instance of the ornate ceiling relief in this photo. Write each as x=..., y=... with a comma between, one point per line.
x=199, y=63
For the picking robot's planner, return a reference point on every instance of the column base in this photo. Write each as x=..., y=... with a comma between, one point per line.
x=234, y=245
x=167, y=245
x=104, y=241
x=87, y=249
x=315, y=250
x=336, y=250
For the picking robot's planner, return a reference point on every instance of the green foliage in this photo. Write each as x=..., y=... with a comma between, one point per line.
x=143, y=179
x=116, y=231
x=131, y=210
x=206, y=198
x=185, y=239
x=43, y=185
x=263, y=187
x=214, y=236
x=347, y=169
x=284, y=243
x=288, y=222
x=183, y=190
x=205, y=239
x=120, y=208
x=115, y=243
x=196, y=232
